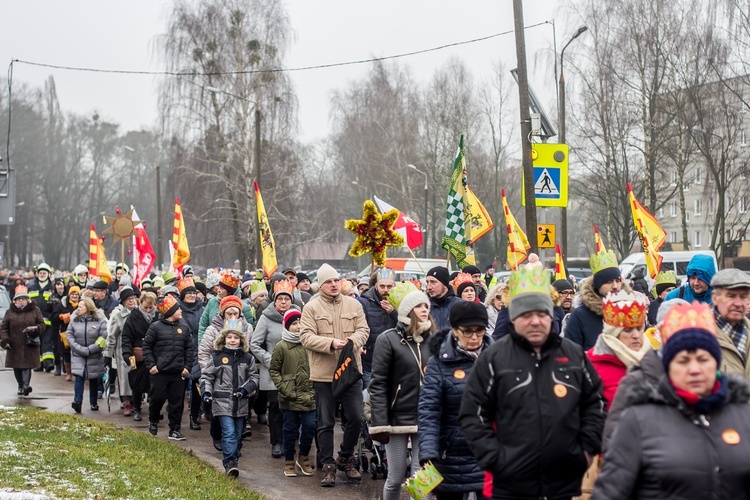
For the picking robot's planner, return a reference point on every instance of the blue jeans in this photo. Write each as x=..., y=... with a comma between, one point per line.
x=231, y=438
x=93, y=389
x=294, y=422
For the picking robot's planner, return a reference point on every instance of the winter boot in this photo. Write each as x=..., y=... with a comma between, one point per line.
x=76, y=406
x=329, y=476
x=347, y=465
x=127, y=408
x=58, y=370
x=68, y=372
x=304, y=465
x=289, y=470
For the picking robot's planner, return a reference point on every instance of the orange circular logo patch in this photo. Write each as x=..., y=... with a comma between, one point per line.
x=459, y=374
x=225, y=360
x=560, y=390
x=179, y=330
x=731, y=436
x=424, y=369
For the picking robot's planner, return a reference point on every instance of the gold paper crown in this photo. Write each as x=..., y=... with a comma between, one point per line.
x=602, y=260
x=625, y=310
x=165, y=305
x=283, y=286
x=185, y=283
x=526, y=280
x=230, y=280
x=666, y=278
x=684, y=316
x=460, y=279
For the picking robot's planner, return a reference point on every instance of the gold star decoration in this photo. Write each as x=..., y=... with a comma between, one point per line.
x=122, y=226
x=374, y=233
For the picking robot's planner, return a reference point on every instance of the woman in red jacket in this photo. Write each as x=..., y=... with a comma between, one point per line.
x=621, y=343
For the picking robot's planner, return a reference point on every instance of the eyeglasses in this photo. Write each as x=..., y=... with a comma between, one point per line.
x=498, y=297
x=467, y=334
x=567, y=292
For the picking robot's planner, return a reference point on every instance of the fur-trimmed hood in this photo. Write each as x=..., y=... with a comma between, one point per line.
x=98, y=316
x=591, y=299
x=220, y=341
x=436, y=340
x=643, y=392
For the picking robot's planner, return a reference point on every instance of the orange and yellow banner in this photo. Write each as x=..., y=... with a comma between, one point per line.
x=179, y=239
x=518, y=244
x=650, y=233
x=267, y=245
x=560, y=273
x=97, y=260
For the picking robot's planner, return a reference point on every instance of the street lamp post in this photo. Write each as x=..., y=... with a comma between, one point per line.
x=561, y=112
x=424, y=222
x=722, y=188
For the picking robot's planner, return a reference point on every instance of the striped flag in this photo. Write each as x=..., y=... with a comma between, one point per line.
x=560, y=273
x=457, y=238
x=97, y=260
x=267, y=245
x=144, y=256
x=650, y=233
x=518, y=244
x=179, y=240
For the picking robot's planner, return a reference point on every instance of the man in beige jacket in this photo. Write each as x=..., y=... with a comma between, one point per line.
x=730, y=295
x=328, y=321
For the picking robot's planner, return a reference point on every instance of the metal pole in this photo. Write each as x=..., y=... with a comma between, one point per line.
x=523, y=98
x=158, y=217
x=722, y=262
x=424, y=223
x=258, y=253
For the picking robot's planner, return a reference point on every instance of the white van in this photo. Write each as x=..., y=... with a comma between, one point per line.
x=408, y=269
x=673, y=261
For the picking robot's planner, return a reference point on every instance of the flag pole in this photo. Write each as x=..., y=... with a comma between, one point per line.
x=416, y=260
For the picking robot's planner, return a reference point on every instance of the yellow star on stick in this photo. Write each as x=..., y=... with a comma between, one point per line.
x=374, y=233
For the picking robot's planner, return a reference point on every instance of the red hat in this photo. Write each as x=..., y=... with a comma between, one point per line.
x=230, y=301
x=291, y=316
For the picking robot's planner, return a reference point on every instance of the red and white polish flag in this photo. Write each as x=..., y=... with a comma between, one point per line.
x=405, y=225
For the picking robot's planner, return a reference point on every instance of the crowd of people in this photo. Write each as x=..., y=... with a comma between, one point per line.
x=530, y=388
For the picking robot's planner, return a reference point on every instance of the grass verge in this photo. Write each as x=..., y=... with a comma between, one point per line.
x=67, y=457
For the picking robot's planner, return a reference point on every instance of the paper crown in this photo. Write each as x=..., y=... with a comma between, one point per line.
x=666, y=278
x=526, y=280
x=185, y=283
x=257, y=286
x=417, y=283
x=168, y=276
x=687, y=316
x=460, y=279
x=602, y=260
x=230, y=280
x=283, y=286
x=625, y=310
x=21, y=291
x=397, y=293
x=386, y=274
x=165, y=306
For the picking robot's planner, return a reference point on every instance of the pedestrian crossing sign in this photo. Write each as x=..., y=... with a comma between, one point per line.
x=550, y=175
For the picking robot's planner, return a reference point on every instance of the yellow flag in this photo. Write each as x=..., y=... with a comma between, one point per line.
x=267, y=245
x=179, y=239
x=651, y=234
x=518, y=244
x=478, y=222
x=97, y=260
x=560, y=273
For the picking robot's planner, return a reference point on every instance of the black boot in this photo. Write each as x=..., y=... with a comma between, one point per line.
x=194, y=425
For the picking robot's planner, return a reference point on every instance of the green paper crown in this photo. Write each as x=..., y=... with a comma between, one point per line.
x=529, y=281
x=603, y=260
x=397, y=293
x=257, y=286
x=666, y=278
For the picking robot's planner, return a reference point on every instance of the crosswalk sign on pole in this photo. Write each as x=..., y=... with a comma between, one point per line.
x=550, y=175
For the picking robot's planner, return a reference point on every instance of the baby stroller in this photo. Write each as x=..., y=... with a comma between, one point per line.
x=377, y=464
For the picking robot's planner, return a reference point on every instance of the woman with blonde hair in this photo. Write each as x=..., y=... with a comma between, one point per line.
x=87, y=337
x=494, y=304
x=133, y=332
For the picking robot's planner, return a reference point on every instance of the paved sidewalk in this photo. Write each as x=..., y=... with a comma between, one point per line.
x=258, y=470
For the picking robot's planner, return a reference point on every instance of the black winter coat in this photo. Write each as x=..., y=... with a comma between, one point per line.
x=133, y=332
x=41, y=296
x=441, y=438
x=168, y=346
x=378, y=320
x=662, y=449
x=397, y=371
x=529, y=417
x=653, y=311
x=440, y=309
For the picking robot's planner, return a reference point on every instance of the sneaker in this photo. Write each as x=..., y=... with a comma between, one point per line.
x=176, y=436
x=329, y=476
x=94, y=407
x=152, y=428
x=232, y=470
x=289, y=470
x=276, y=451
x=137, y=415
x=347, y=465
x=76, y=406
x=194, y=425
x=304, y=465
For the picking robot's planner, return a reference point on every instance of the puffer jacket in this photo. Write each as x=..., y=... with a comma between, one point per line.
x=85, y=356
x=290, y=373
x=266, y=335
x=229, y=370
x=168, y=346
x=542, y=411
x=206, y=346
x=397, y=373
x=663, y=449
x=440, y=309
x=586, y=322
x=191, y=315
x=441, y=438
x=378, y=320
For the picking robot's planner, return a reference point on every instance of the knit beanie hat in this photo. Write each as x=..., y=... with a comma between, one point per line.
x=291, y=316
x=327, y=272
x=471, y=269
x=212, y=280
x=441, y=274
x=74, y=289
x=562, y=285
x=230, y=301
x=409, y=302
x=688, y=327
x=463, y=286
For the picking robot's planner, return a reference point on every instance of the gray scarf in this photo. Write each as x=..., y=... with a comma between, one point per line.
x=474, y=355
x=292, y=338
x=149, y=316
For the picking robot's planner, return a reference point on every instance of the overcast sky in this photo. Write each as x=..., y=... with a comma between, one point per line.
x=122, y=35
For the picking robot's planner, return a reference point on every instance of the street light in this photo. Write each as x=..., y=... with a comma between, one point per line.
x=561, y=112
x=424, y=222
x=722, y=187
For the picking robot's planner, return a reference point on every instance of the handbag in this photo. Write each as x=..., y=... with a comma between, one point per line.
x=32, y=340
x=347, y=373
